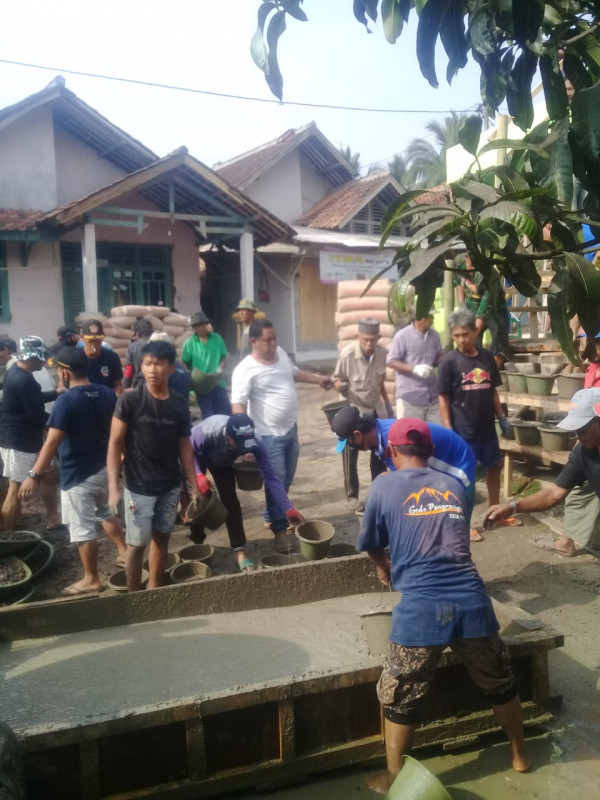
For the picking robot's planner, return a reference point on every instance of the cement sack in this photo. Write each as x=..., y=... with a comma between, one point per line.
x=121, y=334
x=356, y=288
x=351, y=317
x=158, y=311
x=385, y=341
x=121, y=352
x=362, y=303
x=122, y=322
x=129, y=311
x=351, y=331
x=174, y=330
x=184, y=336
x=176, y=319
x=156, y=323
x=114, y=342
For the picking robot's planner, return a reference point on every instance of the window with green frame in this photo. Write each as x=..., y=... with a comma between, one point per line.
x=4, y=300
x=134, y=275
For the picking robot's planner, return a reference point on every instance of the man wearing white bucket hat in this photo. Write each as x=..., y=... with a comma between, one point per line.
x=582, y=510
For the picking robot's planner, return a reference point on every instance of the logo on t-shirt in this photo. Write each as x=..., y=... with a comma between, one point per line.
x=476, y=379
x=429, y=501
x=104, y=371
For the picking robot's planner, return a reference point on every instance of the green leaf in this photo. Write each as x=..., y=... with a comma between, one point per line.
x=292, y=7
x=273, y=75
x=576, y=72
x=432, y=228
x=491, y=240
x=481, y=190
x=561, y=308
x=258, y=49
x=524, y=277
x=470, y=133
x=371, y=8
x=516, y=214
x=422, y=258
x=452, y=34
x=427, y=34
x=518, y=90
x=481, y=25
x=363, y=7
x=556, y=172
x=528, y=16
x=405, y=7
x=513, y=144
x=392, y=19
x=511, y=179
x=585, y=108
x=586, y=281
x=554, y=88
x=398, y=205
x=425, y=299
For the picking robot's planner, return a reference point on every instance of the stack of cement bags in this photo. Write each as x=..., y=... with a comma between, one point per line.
x=119, y=327
x=351, y=308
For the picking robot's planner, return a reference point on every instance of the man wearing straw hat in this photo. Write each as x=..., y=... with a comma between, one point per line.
x=359, y=377
x=247, y=311
x=419, y=514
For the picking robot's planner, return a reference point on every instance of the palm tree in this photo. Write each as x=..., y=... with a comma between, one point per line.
x=399, y=167
x=352, y=158
x=428, y=162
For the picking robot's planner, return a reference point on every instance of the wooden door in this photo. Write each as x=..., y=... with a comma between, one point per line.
x=316, y=305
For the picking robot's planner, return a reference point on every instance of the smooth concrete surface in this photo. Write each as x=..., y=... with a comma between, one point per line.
x=87, y=677
x=299, y=583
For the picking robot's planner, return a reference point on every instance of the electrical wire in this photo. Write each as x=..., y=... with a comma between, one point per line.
x=192, y=90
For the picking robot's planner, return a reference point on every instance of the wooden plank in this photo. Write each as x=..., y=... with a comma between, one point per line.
x=316, y=305
x=508, y=473
x=550, y=403
x=287, y=730
x=540, y=677
x=547, y=457
x=534, y=345
x=196, y=749
x=90, y=775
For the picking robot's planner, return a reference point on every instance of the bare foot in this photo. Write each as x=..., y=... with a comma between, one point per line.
x=81, y=587
x=521, y=762
x=380, y=782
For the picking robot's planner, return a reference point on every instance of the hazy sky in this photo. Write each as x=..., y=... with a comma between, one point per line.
x=204, y=44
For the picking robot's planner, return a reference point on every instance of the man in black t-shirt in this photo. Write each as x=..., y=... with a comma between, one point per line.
x=105, y=365
x=151, y=425
x=469, y=402
x=583, y=467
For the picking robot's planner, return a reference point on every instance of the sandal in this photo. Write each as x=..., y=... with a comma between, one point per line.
x=509, y=521
x=475, y=536
x=247, y=565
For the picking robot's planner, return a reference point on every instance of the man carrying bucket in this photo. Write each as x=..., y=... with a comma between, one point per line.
x=419, y=514
x=359, y=377
x=217, y=442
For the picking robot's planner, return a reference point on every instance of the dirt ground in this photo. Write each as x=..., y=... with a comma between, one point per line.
x=556, y=589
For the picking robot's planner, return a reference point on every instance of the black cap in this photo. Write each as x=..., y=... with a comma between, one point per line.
x=6, y=343
x=73, y=358
x=344, y=423
x=199, y=318
x=241, y=429
x=65, y=331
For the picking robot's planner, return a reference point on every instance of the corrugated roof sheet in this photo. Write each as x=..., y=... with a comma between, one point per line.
x=19, y=219
x=338, y=208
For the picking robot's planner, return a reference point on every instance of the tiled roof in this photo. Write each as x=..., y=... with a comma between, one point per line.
x=19, y=219
x=436, y=196
x=337, y=208
x=244, y=169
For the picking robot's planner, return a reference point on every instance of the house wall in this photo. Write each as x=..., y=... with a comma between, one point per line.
x=279, y=190
x=27, y=162
x=35, y=291
x=79, y=169
x=314, y=186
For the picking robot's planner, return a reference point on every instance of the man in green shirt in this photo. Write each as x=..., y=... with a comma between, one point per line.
x=204, y=354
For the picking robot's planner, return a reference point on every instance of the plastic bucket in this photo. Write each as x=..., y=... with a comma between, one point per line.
x=248, y=476
x=23, y=543
x=277, y=560
x=416, y=782
x=553, y=418
x=190, y=571
x=331, y=409
x=376, y=627
x=40, y=558
x=525, y=432
x=504, y=379
x=540, y=384
x=204, y=382
x=569, y=384
x=556, y=439
x=172, y=560
x=517, y=382
x=118, y=580
x=10, y=567
x=197, y=552
x=212, y=513
x=315, y=539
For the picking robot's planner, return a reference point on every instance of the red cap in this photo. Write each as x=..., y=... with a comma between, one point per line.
x=409, y=431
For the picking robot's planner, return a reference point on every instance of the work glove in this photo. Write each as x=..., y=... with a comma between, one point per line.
x=295, y=517
x=389, y=411
x=506, y=428
x=422, y=371
x=203, y=483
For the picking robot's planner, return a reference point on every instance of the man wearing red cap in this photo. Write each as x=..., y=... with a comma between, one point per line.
x=419, y=514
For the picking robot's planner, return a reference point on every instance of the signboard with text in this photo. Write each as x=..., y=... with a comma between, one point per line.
x=345, y=265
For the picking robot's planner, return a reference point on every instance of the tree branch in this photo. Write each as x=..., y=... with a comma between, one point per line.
x=583, y=34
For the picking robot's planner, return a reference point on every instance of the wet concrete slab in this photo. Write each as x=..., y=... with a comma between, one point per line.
x=81, y=678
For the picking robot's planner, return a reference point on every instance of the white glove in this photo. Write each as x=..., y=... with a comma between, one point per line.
x=422, y=371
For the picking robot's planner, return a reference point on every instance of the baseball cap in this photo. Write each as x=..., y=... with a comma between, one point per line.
x=344, y=423
x=6, y=343
x=32, y=347
x=409, y=430
x=64, y=332
x=246, y=305
x=241, y=429
x=92, y=329
x=585, y=406
x=199, y=318
x=72, y=358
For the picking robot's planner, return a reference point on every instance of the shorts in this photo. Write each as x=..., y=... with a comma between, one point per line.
x=85, y=503
x=145, y=515
x=487, y=451
x=17, y=464
x=409, y=672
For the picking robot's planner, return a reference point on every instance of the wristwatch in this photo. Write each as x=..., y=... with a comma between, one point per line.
x=515, y=506
x=33, y=474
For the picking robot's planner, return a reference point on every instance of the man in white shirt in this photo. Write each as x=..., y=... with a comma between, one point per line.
x=262, y=386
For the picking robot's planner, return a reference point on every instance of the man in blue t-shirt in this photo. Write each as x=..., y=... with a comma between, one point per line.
x=419, y=514
x=78, y=429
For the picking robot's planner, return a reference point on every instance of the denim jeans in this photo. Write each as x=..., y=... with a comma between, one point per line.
x=283, y=452
x=214, y=402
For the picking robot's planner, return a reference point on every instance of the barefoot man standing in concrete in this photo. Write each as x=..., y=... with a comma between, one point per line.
x=151, y=424
x=419, y=514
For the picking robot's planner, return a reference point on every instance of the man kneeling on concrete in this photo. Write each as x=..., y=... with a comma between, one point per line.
x=217, y=442
x=78, y=429
x=419, y=514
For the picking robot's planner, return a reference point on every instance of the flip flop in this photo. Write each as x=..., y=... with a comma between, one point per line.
x=509, y=521
x=475, y=536
x=247, y=565
x=73, y=591
x=547, y=543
